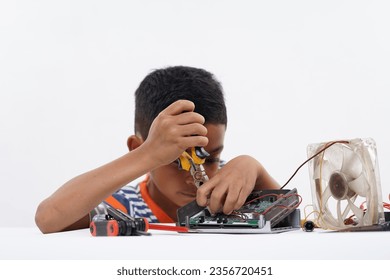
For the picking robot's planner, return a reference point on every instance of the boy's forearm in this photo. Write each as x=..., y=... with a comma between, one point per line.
x=77, y=197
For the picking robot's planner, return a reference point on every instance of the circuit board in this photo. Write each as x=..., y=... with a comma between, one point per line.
x=264, y=212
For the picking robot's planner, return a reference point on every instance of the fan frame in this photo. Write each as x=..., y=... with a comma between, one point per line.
x=365, y=148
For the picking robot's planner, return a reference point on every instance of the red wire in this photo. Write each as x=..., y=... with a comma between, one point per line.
x=262, y=196
x=168, y=228
x=282, y=206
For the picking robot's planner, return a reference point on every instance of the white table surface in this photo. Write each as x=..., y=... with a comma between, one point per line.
x=30, y=243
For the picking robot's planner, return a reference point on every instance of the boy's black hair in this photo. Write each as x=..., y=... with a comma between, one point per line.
x=164, y=86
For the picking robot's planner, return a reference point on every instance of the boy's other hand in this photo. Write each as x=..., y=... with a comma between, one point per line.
x=174, y=130
x=230, y=187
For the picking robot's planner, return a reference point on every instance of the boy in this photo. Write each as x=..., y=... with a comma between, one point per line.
x=176, y=108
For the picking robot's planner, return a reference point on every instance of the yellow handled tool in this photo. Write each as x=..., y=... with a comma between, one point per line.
x=193, y=163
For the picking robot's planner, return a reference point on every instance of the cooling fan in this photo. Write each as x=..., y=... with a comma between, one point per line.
x=345, y=183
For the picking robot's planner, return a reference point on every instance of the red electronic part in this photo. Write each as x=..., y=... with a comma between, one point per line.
x=92, y=228
x=112, y=228
x=167, y=227
x=100, y=227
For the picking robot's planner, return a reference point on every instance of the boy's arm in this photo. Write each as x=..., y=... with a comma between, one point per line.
x=77, y=197
x=174, y=130
x=230, y=187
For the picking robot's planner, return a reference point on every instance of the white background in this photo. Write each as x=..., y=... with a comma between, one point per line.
x=294, y=73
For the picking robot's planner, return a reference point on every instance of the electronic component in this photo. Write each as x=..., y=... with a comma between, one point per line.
x=308, y=226
x=345, y=184
x=265, y=211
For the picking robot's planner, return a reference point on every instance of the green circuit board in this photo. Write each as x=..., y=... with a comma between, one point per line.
x=261, y=208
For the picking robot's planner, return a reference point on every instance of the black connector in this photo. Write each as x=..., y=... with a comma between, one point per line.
x=308, y=226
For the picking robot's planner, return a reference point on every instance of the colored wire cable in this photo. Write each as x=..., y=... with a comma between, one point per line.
x=327, y=145
x=167, y=228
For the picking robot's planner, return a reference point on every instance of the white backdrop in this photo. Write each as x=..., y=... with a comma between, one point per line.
x=294, y=73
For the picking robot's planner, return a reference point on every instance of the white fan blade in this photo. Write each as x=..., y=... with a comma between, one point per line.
x=360, y=186
x=340, y=220
x=324, y=170
x=352, y=165
x=348, y=208
x=325, y=196
x=328, y=220
x=356, y=210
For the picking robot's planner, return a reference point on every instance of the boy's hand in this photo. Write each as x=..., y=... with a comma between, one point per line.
x=230, y=187
x=174, y=130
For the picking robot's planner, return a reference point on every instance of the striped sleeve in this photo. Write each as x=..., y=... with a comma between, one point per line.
x=129, y=200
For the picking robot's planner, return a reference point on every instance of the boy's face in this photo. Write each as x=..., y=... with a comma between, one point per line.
x=171, y=188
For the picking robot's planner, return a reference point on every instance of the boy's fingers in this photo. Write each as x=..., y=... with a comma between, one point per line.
x=226, y=196
x=215, y=193
x=193, y=129
x=240, y=201
x=194, y=141
x=179, y=107
x=190, y=117
x=203, y=193
x=216, y=201
x=231, y=200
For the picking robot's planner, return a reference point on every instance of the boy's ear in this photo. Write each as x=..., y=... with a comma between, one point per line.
x=133, y=142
